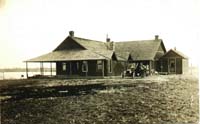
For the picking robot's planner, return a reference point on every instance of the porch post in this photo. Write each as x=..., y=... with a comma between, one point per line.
x=102, y=68
x=41, y=68
x=51, y=68
x=150, y=67
x=27, y=70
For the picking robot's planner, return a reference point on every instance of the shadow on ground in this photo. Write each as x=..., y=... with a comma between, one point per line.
x=18, y=93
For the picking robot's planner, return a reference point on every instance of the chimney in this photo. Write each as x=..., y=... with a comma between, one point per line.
x=107, y=39
x=175, y=48
x=71, y=33
x=156, y=37
x=112, y=45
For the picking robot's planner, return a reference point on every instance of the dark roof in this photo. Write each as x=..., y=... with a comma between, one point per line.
x=176, y=52
x=91, y=44
x=93, y=50
x=123, y=55
x=139, y=50
x=70, y=55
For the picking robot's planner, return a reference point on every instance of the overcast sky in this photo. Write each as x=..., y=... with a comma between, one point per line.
x=29, y=28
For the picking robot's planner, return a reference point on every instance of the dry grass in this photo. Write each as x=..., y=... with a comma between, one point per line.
x=152, y=100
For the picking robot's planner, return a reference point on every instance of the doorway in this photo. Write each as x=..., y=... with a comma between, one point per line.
x=172, y=67
x=75, y=68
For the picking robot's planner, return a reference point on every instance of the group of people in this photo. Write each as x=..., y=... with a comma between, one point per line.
x=136, y=70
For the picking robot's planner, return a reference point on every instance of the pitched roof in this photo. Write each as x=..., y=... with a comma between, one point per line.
x=139, y=50
x=83, y=49
x=68, y=55
x=68, y=44
x=176, y=52
x=123, y=55
x=76, y=48
x=91, y=44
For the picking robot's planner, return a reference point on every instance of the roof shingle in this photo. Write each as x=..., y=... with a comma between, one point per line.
x=139, y=50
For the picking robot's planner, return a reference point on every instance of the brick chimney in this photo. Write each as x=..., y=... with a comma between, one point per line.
x=107, y=39
x=156, y=37
x=112, y=45
x=175, y=48
x=71, y=33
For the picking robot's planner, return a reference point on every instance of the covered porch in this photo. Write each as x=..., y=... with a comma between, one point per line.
x=73, y=63
x=68, y=69
x=40, y=69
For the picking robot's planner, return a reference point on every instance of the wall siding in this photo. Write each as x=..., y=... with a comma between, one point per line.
x=92, y=68
x=185, y=66
x=178, y=66
x=118, y=68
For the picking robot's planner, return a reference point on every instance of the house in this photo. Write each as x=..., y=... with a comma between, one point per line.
x=146, y=52
x=173, y=62
x=80, y=57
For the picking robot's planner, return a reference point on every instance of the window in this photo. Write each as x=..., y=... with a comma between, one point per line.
x=85, y=66
x=64, y=66
x=77, y=65
x=110, y=66
x=99, y=65
x=172, y=65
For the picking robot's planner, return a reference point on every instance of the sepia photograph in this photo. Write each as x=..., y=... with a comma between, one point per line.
x=99, y=61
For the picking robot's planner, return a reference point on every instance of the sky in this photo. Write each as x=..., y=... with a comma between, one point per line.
x=29, y=28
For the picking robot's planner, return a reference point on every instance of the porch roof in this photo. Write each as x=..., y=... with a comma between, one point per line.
x=69, y=55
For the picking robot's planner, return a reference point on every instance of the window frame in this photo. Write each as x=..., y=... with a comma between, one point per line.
x=64, y=66
x=85, y=69
x=99, y=64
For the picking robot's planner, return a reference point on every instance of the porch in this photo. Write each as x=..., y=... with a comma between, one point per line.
x=71, y=69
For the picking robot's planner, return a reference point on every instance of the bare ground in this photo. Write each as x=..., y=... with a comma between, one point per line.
x=153, y=100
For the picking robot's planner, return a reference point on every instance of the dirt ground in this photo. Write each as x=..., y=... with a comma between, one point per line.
x=159, y=99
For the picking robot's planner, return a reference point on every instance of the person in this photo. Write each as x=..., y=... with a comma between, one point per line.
x=133, y=70
x=142, y=70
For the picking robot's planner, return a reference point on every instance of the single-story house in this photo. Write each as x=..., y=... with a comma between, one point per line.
x=146, y=52
x=80, y=57
x=83, y=57
x=173, y=62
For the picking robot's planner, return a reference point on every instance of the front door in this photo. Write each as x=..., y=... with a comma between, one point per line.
x=172, y=65
x=75, y=68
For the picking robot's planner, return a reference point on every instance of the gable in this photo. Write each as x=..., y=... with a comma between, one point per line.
x=114, y=57
x=161, y=51
x=173, y=53
x=91, y=44
x=69, y=44
x=161, y=47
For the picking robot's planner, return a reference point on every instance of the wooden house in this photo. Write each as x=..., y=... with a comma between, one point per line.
x=80, y=57
x=173, y=62
x=146, y=52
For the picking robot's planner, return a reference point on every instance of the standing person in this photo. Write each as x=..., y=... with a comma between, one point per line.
x=133, y=70
x=142, y=70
